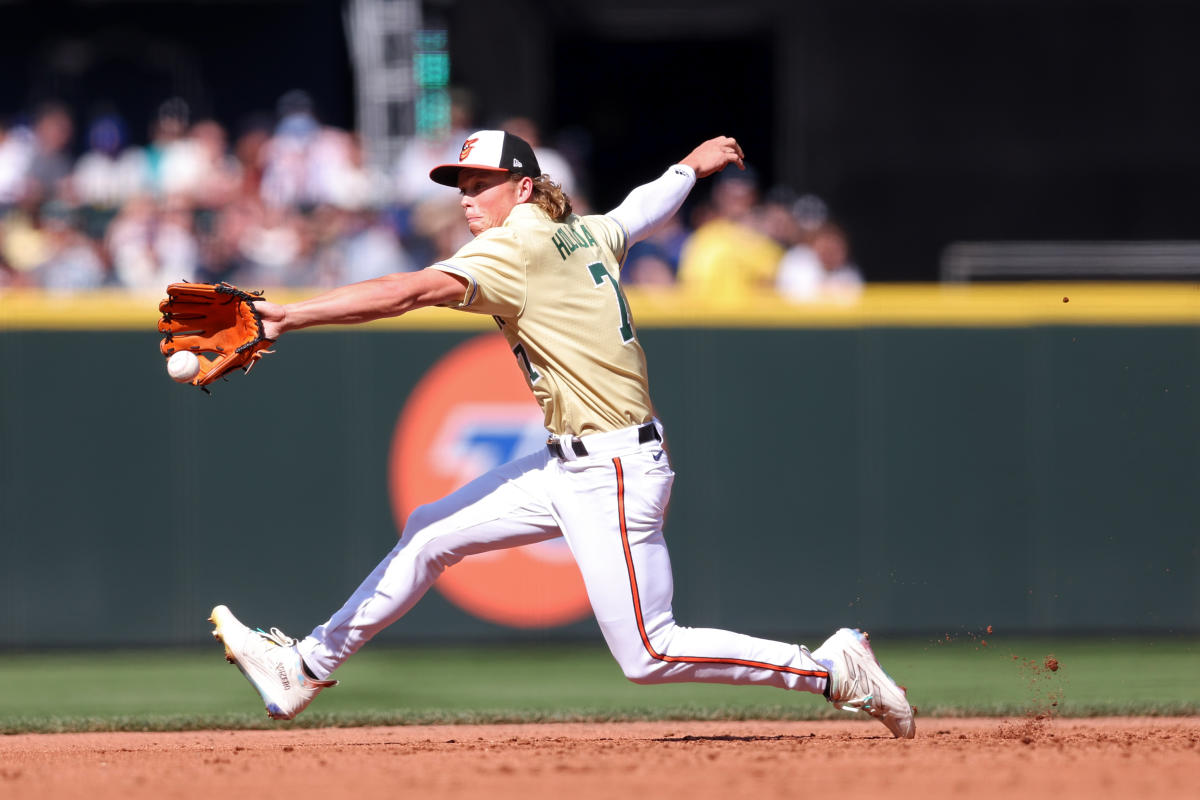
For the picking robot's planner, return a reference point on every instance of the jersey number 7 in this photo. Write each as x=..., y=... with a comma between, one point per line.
x=599, y=275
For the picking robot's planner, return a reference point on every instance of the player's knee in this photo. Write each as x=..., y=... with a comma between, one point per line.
x=642, y=668
x=641, y=677
x=419, y=519
x=433, y=548
x=638, y=654
x=645, y=674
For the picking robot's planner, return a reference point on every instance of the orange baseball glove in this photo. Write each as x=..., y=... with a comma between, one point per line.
x=217, y=320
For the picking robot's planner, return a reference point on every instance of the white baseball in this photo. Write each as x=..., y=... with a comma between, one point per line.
x=183, y=366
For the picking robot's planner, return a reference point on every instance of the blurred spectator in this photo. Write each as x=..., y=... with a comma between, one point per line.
x=307, y=164
x=727, y=257
x=71, y=261
x=775, y=217
x=271, y=246
x=166, y=134
x=338, y=171
x=130, y=245
x=356, y=246
x=250, y=152
x=176, y=250
x=810, y=213
x=108, y=174
x=51, y=162
x=151, y=245
x=285, y=156
x=24, y=244
x=16, y=153
x=819, y=268
x=220, y=255
x=655, y=260
x=199, y=168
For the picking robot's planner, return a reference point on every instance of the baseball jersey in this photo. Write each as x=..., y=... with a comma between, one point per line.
x=554, y=289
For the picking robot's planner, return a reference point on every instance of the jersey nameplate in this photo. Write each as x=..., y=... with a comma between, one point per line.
x=567, y=240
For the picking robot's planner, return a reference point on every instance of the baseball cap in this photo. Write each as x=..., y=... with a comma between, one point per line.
x=499, y=151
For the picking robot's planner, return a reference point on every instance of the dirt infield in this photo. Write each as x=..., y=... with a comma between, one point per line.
x=981, y=758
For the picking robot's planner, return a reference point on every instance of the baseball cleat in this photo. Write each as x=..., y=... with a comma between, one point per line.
x=858, y=683
x=270, y=661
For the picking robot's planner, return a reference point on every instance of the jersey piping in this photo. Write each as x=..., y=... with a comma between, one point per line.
x=472, y=284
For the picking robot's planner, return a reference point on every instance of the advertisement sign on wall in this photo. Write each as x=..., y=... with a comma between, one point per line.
x=470, y=412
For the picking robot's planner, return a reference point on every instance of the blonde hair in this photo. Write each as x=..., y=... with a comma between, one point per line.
x=548, y=196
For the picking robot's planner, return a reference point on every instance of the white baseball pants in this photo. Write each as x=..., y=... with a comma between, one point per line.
x=609, y=506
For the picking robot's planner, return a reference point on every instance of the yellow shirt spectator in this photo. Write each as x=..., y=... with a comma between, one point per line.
x=727, y=260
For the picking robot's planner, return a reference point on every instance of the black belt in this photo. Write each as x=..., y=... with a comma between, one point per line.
x=646, y=433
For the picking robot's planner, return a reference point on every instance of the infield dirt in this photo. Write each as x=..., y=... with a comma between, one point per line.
x=979, y=758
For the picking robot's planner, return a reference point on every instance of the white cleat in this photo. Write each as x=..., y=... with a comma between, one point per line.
x=858, y=683
x=270, y=662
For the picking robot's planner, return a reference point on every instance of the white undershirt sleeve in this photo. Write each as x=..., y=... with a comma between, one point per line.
x=650, y=205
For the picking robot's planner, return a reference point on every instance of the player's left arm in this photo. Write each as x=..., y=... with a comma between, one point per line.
x=651, y=205
x=387, y=296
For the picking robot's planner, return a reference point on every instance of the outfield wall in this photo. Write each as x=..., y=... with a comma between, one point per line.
x=923, y=461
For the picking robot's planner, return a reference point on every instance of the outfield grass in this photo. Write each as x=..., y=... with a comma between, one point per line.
x=190, y=689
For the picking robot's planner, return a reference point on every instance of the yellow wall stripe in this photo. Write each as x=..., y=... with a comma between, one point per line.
x=912, y=305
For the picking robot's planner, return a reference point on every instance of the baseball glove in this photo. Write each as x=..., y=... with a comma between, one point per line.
x=217, y=320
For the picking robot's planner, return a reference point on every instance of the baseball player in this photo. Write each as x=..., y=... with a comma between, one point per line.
x=551, y=280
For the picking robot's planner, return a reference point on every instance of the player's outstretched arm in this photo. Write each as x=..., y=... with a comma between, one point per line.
x=387, y=296
x=649, y=206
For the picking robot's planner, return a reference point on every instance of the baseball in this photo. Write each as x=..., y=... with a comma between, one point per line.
x=183, y=366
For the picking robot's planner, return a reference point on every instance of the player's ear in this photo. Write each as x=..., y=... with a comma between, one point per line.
x=524, y=189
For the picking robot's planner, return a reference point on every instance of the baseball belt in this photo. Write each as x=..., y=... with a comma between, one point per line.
x=645, y=433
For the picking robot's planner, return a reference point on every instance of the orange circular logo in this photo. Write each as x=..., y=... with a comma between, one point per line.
x=471, y=412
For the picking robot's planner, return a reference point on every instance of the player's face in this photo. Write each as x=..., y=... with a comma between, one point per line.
x=487, y=198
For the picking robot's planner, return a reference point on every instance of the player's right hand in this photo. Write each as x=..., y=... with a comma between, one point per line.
x=715, y=155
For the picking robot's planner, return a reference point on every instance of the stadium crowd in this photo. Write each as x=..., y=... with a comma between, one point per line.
x=291, y=202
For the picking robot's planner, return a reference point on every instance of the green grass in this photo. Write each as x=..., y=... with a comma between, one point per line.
x=193, y=689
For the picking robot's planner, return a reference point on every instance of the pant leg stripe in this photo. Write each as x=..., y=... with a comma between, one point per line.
x=641, y=623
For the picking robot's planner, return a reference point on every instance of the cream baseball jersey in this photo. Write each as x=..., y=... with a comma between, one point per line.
x=554, y=289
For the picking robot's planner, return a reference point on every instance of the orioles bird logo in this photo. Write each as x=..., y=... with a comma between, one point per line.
x=466, y=149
